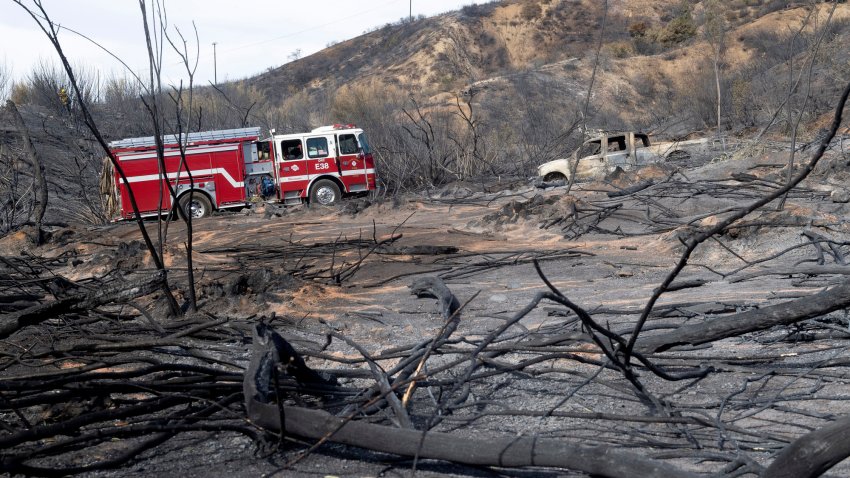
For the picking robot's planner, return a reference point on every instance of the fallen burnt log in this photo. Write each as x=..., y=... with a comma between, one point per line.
x=813, y=453
x=418, y=250
x=734, y=325
x=502, y=451
x=265, y=408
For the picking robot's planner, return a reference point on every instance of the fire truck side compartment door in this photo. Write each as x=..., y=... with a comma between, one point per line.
x=229, y=167
x=259, y=170
x=292, y=167
x=146, y=184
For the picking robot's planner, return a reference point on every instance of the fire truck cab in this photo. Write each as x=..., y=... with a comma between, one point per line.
x=233, y=168
x=324, y=164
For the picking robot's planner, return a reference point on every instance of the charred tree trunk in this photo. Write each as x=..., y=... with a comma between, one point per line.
x=38, y=171
x=751, y=320
x=813, y=453
x=504, y=451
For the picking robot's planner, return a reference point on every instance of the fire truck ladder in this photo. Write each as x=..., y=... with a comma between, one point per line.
x=224, y=134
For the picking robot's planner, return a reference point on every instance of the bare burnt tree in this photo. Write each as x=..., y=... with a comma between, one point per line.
x=793, y=85
x=5, y=81
x=441, y=144
x=545, y=123
x=120, y=100
x=183, y=112
x=156, y=36
x=88, y=203
x=714, y=30
x=436, y=159
x=17, y=189
x=49, y=86
x=376, y=108
x=50, y=29
x=476, y=157
x=37, y=169
x=155, y=26
x=585, y=112
x=237, y=103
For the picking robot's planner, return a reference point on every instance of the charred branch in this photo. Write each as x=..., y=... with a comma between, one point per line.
x=39, y=313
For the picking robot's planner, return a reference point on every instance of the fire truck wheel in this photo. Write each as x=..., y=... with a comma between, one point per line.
x=198, y=208
x=325, y=192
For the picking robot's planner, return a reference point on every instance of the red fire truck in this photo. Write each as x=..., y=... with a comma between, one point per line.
x=232, y=168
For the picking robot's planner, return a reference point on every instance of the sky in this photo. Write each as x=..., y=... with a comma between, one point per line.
x=250, y=36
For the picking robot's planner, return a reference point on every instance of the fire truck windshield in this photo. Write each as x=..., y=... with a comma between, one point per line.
x=363, y=143
x=347, y=144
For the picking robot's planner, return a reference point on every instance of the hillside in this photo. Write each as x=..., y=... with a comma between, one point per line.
x=552, y=44
x=443, y=53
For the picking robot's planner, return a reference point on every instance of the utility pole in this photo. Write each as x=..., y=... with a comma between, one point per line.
x=411, y=11
x=215, y=64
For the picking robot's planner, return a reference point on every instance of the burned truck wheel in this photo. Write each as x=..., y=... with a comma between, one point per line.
x=678, y=156
x=198, y=207
x=325, y=192
x=554, y=176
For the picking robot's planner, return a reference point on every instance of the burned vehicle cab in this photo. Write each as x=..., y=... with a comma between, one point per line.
x=591, y=156
x=610, y=151
x=641, y=150
x=626, y=150
x=604, y=153
x=597, y=156
x=560, y=169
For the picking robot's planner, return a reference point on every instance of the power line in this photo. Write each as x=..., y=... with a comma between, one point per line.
x=306, y=30
x=215, y=65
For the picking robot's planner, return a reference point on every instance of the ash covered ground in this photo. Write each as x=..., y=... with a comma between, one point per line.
x=328, y=279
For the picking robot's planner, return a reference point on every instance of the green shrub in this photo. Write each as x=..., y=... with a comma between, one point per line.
x=620, y=49
x=679, y=30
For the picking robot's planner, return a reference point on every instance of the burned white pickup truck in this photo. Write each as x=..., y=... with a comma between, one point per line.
x=602, y=154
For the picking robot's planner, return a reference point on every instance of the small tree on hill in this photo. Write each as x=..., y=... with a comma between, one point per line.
x=5, y=82
x=714, y=31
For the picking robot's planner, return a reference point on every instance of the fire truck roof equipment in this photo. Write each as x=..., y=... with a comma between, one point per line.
x=219, y=135
x=334, y=127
